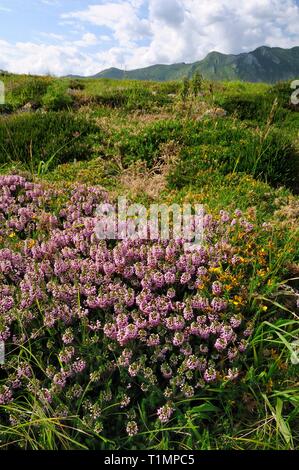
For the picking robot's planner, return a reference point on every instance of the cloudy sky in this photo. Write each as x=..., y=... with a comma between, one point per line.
x=86, y=36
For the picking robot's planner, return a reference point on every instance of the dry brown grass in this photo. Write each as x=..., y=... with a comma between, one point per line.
x=138, y=179
x=287, y=215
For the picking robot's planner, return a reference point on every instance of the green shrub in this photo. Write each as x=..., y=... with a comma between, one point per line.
x=134, y=98
x=6, y=108
x=57, y=97
x=282, y=91
x=270, y=157
x=76, y=85
x=146, y=144
x=52, y=137
x=27, y=89
x=252, y=107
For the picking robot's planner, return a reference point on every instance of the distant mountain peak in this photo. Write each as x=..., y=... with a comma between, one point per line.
x=264, y=64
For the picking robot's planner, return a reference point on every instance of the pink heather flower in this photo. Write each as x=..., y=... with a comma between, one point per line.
x=46, y=394
x=24, y=370
x=242, y=345
x=16, y=384
x=68, y=336
x=164, y=413
x=187, y=390
x=204, y=332
x=194, y=328
x=202, y=271
x=217, y=288
x=202, y=364
x=134, y=369
x=78, y=366
x=188, y=313
x=180, y=305
x=203, y=348
x=210, y=375
x=5, y=334
x=153, y=340
x=169, y=277
x=60, y=379
x=132, y=428
x=235, y=321
x=226, y=333
x=6, y=303
x=122, y=320
x=220, y=344
x=224, y=216
x=218, y=305
x=186, y=349
x=66, y=354
x=249, y=330
x=175, y=323
x=109, y=268
x=232, y=353
x=185, y=278
x=158, y=279
x=110, y=330
x=125, y=401
x=5, y=395
x=171, y=293
x=131, y=331
x=178, y=338
x=199, y=302
x=154, y=319
x=192, y=362
x=232, y=374
x=166, y=371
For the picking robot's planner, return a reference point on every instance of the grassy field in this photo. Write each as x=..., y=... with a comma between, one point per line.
x=70, y=379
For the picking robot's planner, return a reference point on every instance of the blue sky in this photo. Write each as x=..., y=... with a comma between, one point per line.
x=86, y=36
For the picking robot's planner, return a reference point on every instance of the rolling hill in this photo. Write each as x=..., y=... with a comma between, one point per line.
x=264, y=64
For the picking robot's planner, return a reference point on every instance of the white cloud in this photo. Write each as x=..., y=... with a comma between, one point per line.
x=121, y=18
x=186, y=30
x=165, y=31
x=87, y=40
x=41, y=58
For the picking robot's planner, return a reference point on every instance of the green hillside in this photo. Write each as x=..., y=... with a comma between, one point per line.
x=264, y=64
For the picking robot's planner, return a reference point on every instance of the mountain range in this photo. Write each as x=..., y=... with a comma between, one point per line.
x=264, y=64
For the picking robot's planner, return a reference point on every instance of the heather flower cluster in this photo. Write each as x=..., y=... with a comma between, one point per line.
x=147, y=312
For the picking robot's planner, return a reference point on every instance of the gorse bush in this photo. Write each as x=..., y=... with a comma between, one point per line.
x=116, y=327
x=272, y=158
x=32, y=138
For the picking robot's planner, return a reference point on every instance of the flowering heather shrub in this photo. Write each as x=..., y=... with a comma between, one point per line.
x=87, y=322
